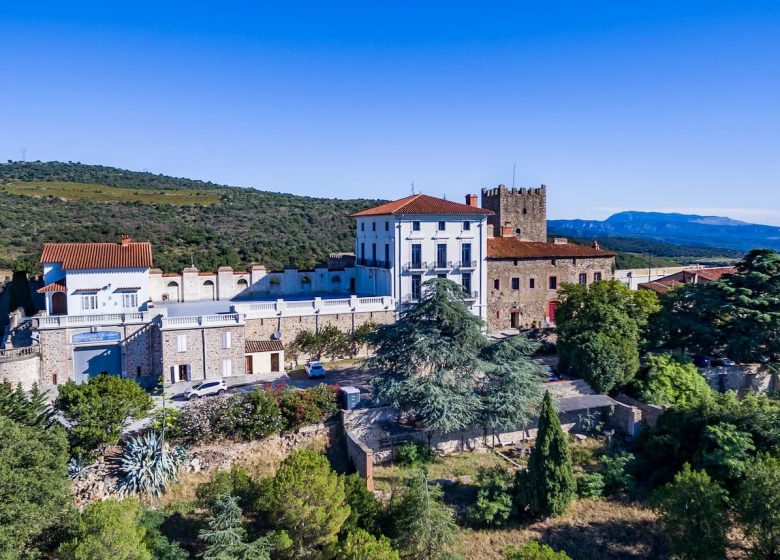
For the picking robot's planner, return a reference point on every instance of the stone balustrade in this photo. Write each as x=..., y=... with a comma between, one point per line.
x=11, y=354
x=60, y=321
x=196, y=321
x=316, y=306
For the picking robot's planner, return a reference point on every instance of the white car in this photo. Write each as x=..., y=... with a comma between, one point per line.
x=314, y=369
x=205, y=388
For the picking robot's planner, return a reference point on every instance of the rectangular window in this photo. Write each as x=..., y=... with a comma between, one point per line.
x=373, y=252
x=362, y=250
x=496, y=284
x=553, y=282
x=362, y=226
x=89, y=302
x=532, y=283
x=597, y=277
x=441, y=255
x=465, y=281
x=373, y=226
x=442, y=226
x=387, y=226
x=583, y=278
x=416, y=283
x=181, y=342
x=226, y=340
x=465, y=254
x=467, y=226
x=227, y=368
x=130, y=300
x=387, y=254
x=515, y=283
x=416, y=255
x=443, y=275
x=415, y=226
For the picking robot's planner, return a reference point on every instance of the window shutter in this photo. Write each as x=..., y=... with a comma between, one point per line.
x=173, y=374
x=226, y=339
x=189, y=372
x=182, y=342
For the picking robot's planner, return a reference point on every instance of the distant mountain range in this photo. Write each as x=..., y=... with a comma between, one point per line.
x=681, y=229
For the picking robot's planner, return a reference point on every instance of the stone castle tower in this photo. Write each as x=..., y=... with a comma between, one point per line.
x=523, y=210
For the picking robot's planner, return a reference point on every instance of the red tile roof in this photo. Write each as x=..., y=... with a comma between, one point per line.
x=513, y=248
x=253, y=346
x=421, y=204
x=688, y=276
x=58, y=286
x=75, y=256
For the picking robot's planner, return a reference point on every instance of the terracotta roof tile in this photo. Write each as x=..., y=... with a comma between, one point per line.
x=58, y=286
x=688, y=276
x=253, y=346
x=75, y=256
x=422, y=204
x=513, y=248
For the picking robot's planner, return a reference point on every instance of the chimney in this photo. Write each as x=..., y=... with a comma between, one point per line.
x=125, y=240
x=471, y=200
x=596, y=244
x=506, y=230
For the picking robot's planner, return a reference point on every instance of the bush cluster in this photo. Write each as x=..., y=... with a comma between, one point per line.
x=254, y=415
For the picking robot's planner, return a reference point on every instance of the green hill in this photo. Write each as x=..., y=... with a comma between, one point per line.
x=186, y=220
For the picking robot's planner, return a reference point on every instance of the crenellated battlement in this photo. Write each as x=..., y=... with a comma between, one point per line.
x=523, y=208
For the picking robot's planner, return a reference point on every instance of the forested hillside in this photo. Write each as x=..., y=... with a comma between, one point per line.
x=186, y=220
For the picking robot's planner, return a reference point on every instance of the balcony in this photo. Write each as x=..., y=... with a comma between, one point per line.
x=12, y=354
x=415, y=267
x=316, y=306
x=59, y=321
x=373, y=263
x=221, y=320
x=471, y=296
x=466, y=265
x=410, y=298
x=442, y=265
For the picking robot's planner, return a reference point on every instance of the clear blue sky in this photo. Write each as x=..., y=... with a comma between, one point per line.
x=614, y=105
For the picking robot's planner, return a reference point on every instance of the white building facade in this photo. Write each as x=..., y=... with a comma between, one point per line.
x=401, y=244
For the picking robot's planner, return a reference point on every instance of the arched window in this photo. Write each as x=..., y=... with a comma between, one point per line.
x=242, y=283
x=208, y=287
x=172, y=291
x=173, y=284
x=335, y=279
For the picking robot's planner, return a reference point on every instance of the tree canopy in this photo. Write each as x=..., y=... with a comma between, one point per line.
x=737, y=315
x=600, y=331
x=672, y=380
x=438, y=367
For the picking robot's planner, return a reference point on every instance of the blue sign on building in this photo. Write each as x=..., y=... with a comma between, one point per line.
x=100, y=336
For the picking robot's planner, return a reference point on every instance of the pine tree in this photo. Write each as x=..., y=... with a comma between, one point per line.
x=424, y=526
x=550, y=480
x=437, y=366
x=225, y=535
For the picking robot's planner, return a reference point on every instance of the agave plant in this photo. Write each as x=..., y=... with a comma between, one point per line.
x=78, y=468
x=148, y=464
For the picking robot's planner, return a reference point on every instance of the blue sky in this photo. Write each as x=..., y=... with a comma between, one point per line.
x=645, y=105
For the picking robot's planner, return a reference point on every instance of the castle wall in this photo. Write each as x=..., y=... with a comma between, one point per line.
x=525, y=210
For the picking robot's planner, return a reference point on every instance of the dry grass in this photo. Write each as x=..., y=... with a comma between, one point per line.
x=104, y=193
x=592, y=530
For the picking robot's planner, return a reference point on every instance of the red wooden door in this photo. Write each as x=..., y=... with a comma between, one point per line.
x=551, y=307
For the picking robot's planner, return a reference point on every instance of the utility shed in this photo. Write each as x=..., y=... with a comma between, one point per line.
x=264, y=356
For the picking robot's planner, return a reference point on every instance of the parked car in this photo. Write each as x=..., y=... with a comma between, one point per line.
x=314, y=369
x=723, y=362
x=205, y=388
x=701, y=361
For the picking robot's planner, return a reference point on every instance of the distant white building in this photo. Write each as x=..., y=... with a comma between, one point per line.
x=401, y=244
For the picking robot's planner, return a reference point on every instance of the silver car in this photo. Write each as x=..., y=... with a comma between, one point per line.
x=205, y=388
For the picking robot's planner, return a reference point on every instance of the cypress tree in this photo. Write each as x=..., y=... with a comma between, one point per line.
x=550, y=479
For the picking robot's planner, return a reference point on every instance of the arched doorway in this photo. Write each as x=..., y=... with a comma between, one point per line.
x=59, y=304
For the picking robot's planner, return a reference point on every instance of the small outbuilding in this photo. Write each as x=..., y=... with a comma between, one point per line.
x=264, y=356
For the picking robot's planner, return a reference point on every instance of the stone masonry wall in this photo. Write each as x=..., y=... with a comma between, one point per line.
x=55, y=367
x=25, y=370
x=197, y=340
x=532, y=303
x=524, y=209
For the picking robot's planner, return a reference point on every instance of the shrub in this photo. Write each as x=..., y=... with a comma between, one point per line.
x=361, y=545
x=108, y=529
x=98, y=409
x=414, y=454
x=589, y=485
x=255, y=415
x=692, y=511
x=613, y=469
x=171, y=419
x=673, y=380
x=758, y=506
x=534, y=551
x=365, y=509
x=148, y=465
x=581, y=456
x=494, y=498
x=236, y=482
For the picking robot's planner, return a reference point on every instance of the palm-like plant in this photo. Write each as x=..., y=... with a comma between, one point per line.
x=148, y=464
x=78, y=468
